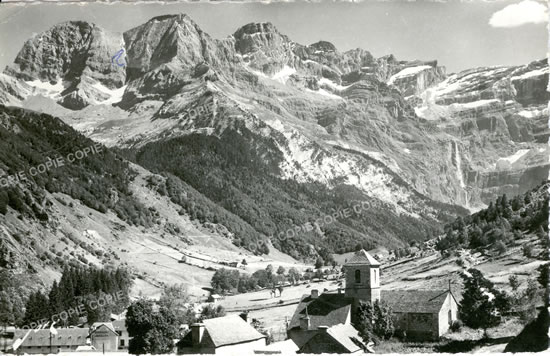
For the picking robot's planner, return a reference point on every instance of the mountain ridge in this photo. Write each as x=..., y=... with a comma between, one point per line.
x=393, y=131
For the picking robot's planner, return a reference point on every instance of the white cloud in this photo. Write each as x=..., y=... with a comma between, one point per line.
x=526, y=12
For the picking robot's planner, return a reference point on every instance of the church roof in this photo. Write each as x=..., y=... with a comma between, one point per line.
x=327, y=309
x=414, y=301
x=363, y=258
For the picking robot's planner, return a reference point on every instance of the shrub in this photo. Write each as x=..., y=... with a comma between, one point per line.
x=456, y=326
x=500, y=247
x=527, y=251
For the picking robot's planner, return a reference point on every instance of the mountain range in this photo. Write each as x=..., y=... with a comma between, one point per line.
x=252, y=135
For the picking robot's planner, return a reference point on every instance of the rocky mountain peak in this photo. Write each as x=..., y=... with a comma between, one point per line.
x=71, y=63
x=259, y=36
x=54, y=53
x=162, y=40
x=263, y=47
x=181, y=17
x=255, y=28
x=323, y=46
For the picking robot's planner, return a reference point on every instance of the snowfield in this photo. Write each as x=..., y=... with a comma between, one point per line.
x=407, y=72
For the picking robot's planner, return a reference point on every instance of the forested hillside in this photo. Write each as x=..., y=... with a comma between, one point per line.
x=99, y=180
x=501, y=223
x=241, y=179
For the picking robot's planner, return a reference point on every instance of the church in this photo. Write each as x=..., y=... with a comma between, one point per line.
x=418, y=314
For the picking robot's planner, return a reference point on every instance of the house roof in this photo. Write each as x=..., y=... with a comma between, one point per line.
x=108, y=326
x=414, y=301
x=345, y=337
x=327, y=309
x=64, y=337
x=229, y=330
x=363, y=258
x=119, y=325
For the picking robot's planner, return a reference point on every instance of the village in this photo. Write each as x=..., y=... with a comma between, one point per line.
x=316, y=316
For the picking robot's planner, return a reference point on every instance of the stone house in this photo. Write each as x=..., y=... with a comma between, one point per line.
x=225, y=335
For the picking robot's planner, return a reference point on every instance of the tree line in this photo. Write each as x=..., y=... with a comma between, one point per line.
x=80, y=286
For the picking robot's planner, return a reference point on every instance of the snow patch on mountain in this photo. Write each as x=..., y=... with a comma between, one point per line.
x=506, y=162
x=332, y=84
x=407, y=72
x=531, y=74
x=114, y=95
x=532, y=113
x=47, y=89
x=474, y=104
x=283, y=75
x=324, y=93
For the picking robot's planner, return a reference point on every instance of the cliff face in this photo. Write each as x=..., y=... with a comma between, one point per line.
x=500, y=115
x=66, y=61
x=395, y=130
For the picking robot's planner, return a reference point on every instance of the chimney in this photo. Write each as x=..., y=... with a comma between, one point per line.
x=305, y=322
x=197, y=331
x=314, y=293
x=322, y=329
x=244, y=316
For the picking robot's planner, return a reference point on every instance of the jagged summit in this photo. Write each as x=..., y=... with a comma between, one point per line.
x=178, y=17
x=254, y=28
x=323, y=46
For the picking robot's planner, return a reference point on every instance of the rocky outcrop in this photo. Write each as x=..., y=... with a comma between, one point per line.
x=414, y=80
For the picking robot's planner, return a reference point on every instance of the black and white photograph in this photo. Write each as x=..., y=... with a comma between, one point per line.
x=274, y=177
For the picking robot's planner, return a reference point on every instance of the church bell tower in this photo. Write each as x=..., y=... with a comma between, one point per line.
x=362, y=277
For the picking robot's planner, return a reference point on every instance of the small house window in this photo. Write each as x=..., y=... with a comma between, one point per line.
x=357, y=276
x=450, y=317
x=375, y=276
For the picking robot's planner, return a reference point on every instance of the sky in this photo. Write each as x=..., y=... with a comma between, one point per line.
x=460, y=35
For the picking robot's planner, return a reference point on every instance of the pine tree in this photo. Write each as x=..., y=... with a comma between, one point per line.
x=36, y=308
x=55, y=303
x=374, y=321
x=481, y=304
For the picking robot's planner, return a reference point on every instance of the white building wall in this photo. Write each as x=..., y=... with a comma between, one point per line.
x=449, y=305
